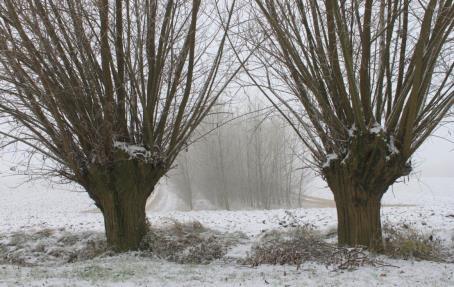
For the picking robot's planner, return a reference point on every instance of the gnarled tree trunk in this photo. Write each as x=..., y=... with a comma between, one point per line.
x=358, y=212
x=358, y=181
x=120, y=191
x=124, y=219
x=359, y=223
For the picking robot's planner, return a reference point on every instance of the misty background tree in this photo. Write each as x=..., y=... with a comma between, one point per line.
x=110, y=92
x=245, y=156
x=363, y=83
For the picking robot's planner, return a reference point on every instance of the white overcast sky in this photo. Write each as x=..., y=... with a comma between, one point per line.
x=436, y=155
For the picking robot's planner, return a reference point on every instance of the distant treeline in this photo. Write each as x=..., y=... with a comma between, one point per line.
x=253, y=161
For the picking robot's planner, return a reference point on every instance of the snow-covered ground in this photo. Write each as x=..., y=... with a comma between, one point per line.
x=427, y=205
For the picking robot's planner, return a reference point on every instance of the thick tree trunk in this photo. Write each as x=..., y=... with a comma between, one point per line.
x=120, y=191
x=359, y=221
x=124, y=220
x=358, y=211
x=359, y=179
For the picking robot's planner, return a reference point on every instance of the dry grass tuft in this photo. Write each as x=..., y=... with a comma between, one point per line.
x=405, y=242
x=188, y=243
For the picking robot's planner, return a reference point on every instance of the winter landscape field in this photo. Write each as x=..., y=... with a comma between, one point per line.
x=226, y=143
x=45, y=231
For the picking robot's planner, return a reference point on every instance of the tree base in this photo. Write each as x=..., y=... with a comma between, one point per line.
x=121, y=190
x=125, y=221
x=358, y=211
x=359, y=223
x=358, y=180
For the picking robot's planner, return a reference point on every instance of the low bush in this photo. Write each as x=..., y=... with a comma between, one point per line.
x=405, y=242
x=188, y=243
x=294, y=246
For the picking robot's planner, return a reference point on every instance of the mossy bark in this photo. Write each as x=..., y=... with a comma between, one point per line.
x=121, y=190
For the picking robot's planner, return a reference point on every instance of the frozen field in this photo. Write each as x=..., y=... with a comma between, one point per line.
x=426, y=205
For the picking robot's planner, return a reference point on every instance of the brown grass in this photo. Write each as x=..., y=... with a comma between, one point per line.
x=405, y=242
x=188, y=243
x=296, y=246
x=48, y=246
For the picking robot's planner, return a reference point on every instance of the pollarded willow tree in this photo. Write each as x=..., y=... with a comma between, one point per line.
x=364, y=83
x=110, y=91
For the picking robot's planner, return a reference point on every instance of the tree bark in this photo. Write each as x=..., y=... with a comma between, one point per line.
x=358, y=220
x=358, y=206
x=358, y=180
x=125, y=220
x=120, y=191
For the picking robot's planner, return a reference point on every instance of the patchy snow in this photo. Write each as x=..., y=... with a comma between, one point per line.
x=376, y=129
x=33, y=207
x=132, y=150
x=329, y=157
x=352, y=130
x=130, y=270
x=392, y=146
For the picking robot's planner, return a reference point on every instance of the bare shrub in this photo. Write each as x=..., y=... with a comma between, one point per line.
x=403, y=241
x=294, y=246
x=188, y=243
x=289, y=247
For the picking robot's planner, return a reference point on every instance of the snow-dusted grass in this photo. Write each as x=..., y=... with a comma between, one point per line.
x=189, y=243
x=50, y=247
x=27, y=214
x=133, y=270
x=405, y=242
